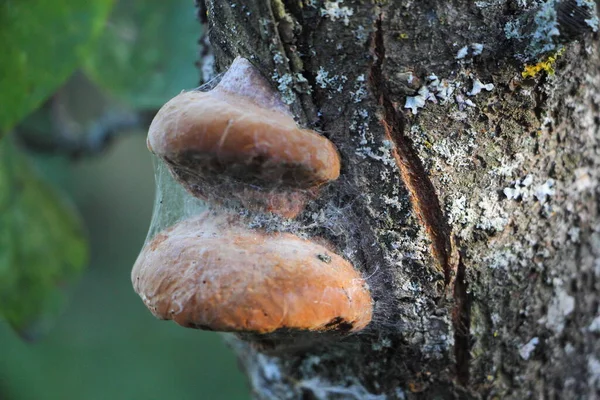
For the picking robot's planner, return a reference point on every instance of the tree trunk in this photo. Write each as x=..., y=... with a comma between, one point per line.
x=468, y=133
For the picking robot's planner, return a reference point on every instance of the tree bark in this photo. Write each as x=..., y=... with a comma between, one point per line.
x=473, y=218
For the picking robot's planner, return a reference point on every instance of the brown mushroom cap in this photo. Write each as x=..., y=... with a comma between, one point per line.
x=211, y=273
x=239, y=133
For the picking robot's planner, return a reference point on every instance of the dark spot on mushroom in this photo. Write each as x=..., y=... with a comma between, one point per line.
x=339, y=324
x=324, y=257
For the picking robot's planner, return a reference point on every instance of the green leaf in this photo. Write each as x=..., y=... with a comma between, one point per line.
x=147, y=53
x=43, y=42
x=42, y=246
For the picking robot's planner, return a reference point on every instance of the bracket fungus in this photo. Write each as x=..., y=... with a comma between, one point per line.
x=210, y=272
x=238, y=142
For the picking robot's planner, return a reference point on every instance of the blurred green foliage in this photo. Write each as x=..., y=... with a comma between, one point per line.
x=43, y=42
x=144, y=55
x=42, y=245
x=152, y=37
x=105, y=345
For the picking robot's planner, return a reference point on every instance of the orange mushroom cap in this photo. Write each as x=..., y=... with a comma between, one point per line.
x=240, y=138
x=212, y=273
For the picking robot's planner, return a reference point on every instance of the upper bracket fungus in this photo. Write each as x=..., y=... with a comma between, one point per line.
x=239, y=142
x=210, y=272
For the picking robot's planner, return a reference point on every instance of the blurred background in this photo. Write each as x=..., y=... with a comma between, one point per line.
x=79, y=83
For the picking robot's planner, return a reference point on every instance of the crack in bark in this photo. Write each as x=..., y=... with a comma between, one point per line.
x=286, y=18
x=422, y=193
x=461, y=321
x=426, y=205
x=304, y=49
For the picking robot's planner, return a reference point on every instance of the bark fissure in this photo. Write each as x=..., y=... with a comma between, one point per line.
x=303, y=48
x=423, y=196
x=288, y=20
x=426, y=204
x=461, y=321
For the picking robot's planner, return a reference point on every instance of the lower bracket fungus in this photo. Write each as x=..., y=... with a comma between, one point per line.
x=210, y=272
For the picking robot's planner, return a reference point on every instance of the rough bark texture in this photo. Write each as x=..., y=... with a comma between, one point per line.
x=474, y=220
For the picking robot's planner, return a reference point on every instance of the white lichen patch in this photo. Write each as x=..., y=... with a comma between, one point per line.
x=393, y=202
x=284, y=85
x=561, y=306
x=545, y=190
x=383, y=154
x=507, y=168
x=279, y=58
x=593, y=23
x=512, y=30
x=321, y=389
x=415, y=102
x=522, y=189
x=595, y=325
x=461, y=213
x=501, y=259
x=360, y=91
x=547, y=26
x=335, y=11
x=400, y=395
x=456, y=156
x=494, y=217
x=309, y=363
x=486, y=4
x=444, y=91
x=541, y=36
x=478, y=86
x=462, y=53
x=496, y=319
x=270, y=370
x=360, y=124
x=326, y=81
x=435, y=90
x=409, y=248
x=266, y=369
x=584, y=180
x=369, y=148
x=467, y=215
x=475, y=49
x=462, y=102
x=514, y=256
x=573, y=234
x=593, y=366
x=527, y=349
x=361, y=34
